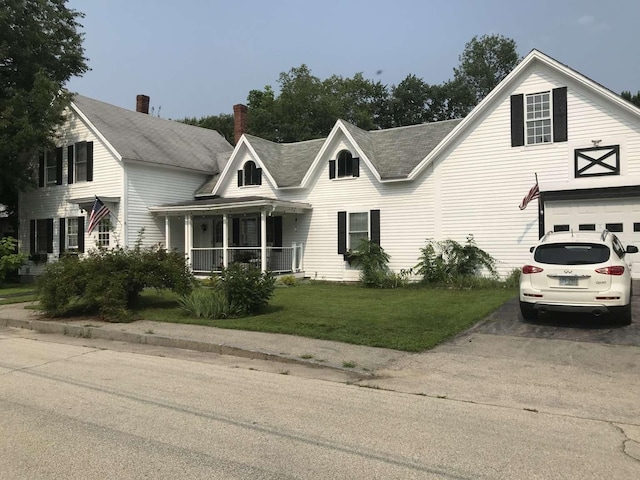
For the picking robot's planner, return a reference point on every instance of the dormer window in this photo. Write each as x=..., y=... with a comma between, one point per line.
x=348, y=165
x=250, y=174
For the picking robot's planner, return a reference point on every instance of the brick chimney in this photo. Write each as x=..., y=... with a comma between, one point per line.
x=142, y=104
x=239, y=121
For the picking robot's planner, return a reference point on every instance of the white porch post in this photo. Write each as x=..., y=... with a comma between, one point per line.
x=188, y=237
x=294, y=253
x=263, y=240
x=167, y=233
x=225, y=240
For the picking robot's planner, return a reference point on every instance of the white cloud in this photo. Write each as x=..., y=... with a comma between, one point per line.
x=590, y=23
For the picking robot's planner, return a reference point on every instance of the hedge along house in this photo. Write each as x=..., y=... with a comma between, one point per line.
x=130, y=160
x=443, y=180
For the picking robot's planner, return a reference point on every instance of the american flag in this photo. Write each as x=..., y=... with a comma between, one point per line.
x=532, y=195
x=98, y=212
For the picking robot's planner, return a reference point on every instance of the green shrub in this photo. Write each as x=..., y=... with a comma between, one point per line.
x=373, y=262
x=513, y=280
x=449, y=262
x=208, y=303
x=247, y=288
x=289, y=280
x=109, y=282
x=10, y=259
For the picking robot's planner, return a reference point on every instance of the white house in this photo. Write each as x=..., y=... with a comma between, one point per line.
x=130, y=160
x=300, y=207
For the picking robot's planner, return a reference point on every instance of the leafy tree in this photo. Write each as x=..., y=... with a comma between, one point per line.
x=222, y=123
x=635, y=99
x=10, y=259
x=484, y=62
x=40, y=50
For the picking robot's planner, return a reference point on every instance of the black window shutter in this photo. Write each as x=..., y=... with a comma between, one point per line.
x=240, y=178
x=277, y=231
x=49, y=235
x=356, y=166
x=41, y=170
x=89, y=161
x=59, y=166
x=375, y=226
x=560, y=114
x=332, y=169
x=70, y=164
x=32, y=236
x=342, y=232
x=81, y=234
x=235, y=238
x=258, y=179
x=517, y=120
x=62, y=236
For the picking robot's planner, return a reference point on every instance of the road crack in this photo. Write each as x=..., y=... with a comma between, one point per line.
x=30, y=367
x=630, y=447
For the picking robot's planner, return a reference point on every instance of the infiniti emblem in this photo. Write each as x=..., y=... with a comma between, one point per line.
x=568, y=271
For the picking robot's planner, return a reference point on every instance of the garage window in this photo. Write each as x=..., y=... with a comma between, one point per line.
x=636, y=227
x=587, y=227
x=561, y=228
x=614, y=227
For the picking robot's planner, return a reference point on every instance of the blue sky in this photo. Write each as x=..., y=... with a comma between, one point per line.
x=199, y=57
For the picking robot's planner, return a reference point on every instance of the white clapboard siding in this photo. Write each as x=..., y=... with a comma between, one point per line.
x=483, y=179
x=53, y=201
x=229, y=188
x=151, y=185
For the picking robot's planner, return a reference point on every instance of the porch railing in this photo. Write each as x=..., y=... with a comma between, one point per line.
x=279, y=259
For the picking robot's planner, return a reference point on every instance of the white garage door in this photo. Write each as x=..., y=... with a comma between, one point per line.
x=621, y=216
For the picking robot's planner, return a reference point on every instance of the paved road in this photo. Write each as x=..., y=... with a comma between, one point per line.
x=70, y=411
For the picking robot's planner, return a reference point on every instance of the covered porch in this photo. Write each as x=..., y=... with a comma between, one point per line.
x=213, y=233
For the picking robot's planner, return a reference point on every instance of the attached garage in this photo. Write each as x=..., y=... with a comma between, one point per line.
x=615, y=209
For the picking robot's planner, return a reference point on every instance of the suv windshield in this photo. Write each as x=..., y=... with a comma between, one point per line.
x=571, y=253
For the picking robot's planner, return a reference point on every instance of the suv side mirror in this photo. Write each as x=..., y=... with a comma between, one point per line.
x=531, y=249
x=632, y=249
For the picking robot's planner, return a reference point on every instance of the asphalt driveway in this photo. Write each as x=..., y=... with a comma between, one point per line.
x=562, y=326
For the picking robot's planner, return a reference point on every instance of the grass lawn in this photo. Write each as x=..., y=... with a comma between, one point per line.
x=410, y=319
x=16, y=293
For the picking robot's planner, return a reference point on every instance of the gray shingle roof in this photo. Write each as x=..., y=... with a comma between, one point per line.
x=142, y=137
x=397, y=151
x=286, y=162
x=394, y=152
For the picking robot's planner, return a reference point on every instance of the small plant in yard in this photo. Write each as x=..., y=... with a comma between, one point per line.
x=288, y=280
x=373, y=262
x=247, y=287
x=306, y=356
x=349, y=364
x=449, y=261
x=211, y=303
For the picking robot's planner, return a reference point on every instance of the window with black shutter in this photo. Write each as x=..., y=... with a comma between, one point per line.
x=250, y=174
x=346, y=165
x=539, y=118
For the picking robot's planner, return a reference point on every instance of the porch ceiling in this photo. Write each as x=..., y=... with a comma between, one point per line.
x=231, y=205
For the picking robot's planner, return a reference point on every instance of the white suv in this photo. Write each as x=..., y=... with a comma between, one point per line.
x=577, y=272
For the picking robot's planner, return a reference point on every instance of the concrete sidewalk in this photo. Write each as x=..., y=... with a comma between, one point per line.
x=257, y=345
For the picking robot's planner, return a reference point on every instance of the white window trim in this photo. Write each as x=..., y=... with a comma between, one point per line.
x=104, y=232
x=77, y=161
x=550, y=118
x=50, y=163
x=349, y=232
x=69, y=234
x=345, y=176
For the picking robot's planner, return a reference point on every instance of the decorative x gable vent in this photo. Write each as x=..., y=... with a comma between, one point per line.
x=597, y=161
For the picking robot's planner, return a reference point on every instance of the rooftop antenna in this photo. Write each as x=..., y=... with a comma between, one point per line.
x=159, y=108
